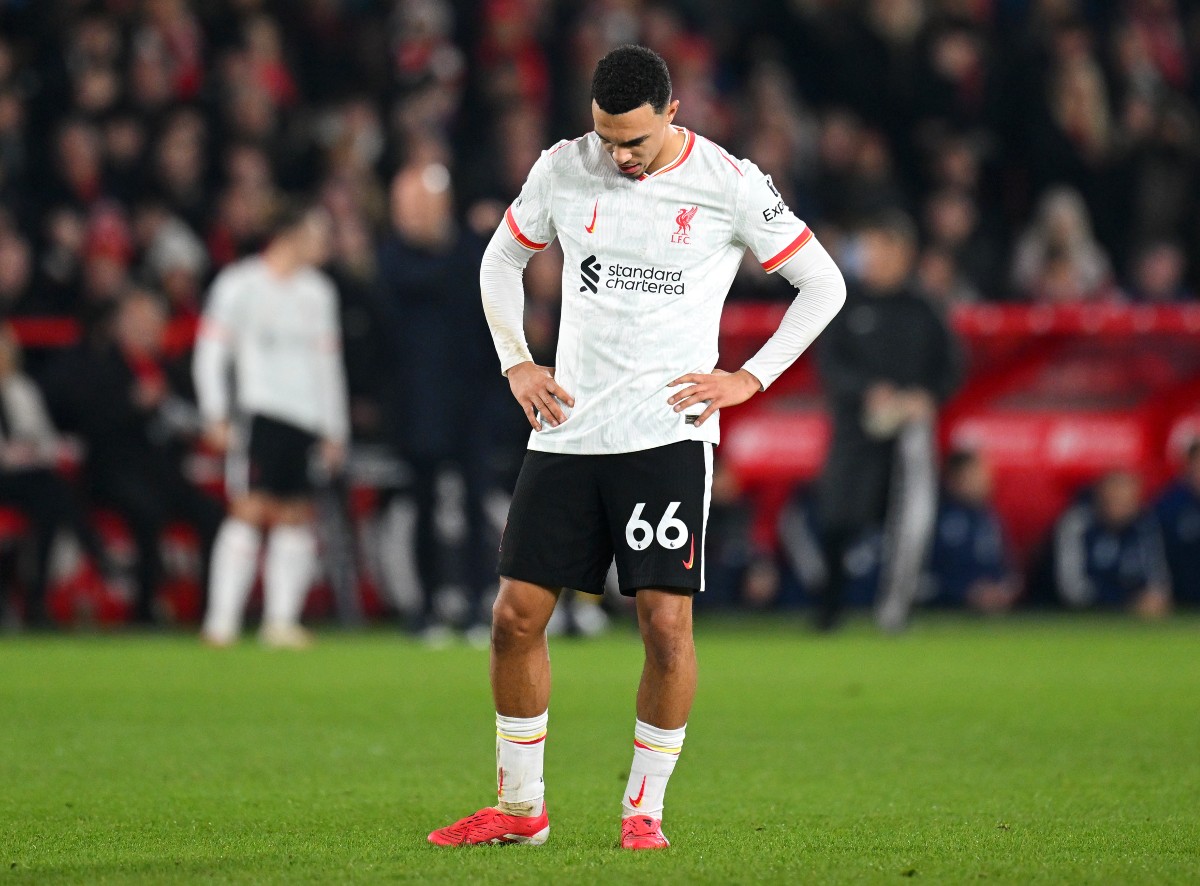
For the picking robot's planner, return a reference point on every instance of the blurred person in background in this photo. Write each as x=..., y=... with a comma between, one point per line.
x=886, y=362
x=59, y=271
x=941, y=281
x=17, y=295
x=78, y=172
x=1108, y=551
x=364, y=321
x=124, y=397
x=444, y=390
x=1178, y=513
x=179, y=163
x=952, y=224
x=969, y=565
x=29, y=482
x=1057, y=258
x=272, y=320
x=176, y=262
x=1157, y=276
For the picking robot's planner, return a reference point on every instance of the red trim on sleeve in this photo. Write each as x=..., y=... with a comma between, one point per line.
x=777, y=261
x=518, y=236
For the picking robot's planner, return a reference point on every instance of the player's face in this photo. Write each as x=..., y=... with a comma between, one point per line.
x=634, y=139
x=314, y=238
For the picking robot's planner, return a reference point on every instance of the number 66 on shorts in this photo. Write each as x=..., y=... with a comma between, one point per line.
x=571, y=515
x=671, y=533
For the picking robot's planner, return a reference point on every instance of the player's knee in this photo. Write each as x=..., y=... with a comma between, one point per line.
x=667, y=632
x=512, y=628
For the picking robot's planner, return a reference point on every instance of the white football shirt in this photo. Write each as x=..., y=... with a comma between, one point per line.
x=648, y=263
x=284, y=340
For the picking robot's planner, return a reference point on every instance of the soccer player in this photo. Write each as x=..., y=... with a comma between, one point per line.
x=653, y=220
x=274, y=317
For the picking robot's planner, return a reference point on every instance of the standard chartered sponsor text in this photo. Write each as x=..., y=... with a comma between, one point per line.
x=637, y=279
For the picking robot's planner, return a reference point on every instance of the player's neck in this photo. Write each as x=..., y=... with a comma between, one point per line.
x=280, y=261
x=671, y=149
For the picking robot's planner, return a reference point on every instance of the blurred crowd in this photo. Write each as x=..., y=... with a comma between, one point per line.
x=1044, y=150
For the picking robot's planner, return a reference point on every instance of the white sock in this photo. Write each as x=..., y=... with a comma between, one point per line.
x=291, y=561
x=520, y=743
x=654, y=754
x=231, y=573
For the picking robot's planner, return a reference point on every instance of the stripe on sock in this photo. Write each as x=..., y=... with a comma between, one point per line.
x=653, y=747
x=522, y=739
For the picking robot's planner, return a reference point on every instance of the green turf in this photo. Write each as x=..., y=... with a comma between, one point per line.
x=1019, y=751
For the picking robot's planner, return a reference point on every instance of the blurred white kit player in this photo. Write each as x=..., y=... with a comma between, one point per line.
x=273, y=319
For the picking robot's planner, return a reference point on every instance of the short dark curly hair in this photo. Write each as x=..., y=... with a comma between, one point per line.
x=631, y=76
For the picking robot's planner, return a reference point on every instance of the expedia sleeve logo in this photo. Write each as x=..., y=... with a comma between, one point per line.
x=589, y=269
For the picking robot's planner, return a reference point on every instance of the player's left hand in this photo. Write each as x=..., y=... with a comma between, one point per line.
x=333, y=455
x=719, y=388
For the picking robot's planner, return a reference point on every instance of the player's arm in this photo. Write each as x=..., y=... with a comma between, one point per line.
x=526, y=229
x=785, y=245
x=331, y=381
x=210, y=360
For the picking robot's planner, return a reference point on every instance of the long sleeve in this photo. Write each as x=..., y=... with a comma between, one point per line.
x=500, y=283
x=821, y=293
x=331, y=372
x=527, y=228
x=214, y=350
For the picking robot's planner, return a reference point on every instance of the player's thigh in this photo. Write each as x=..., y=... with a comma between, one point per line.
x=557, y=534
x=250, y=507
x=657, y=503
x=279, y=456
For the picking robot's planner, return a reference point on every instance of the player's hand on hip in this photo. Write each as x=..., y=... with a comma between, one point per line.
x=218, y=436
x=333, y=455
x=717, y=388
x=537, y=392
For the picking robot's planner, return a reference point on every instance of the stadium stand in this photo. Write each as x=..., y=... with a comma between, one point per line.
x=1049, y=150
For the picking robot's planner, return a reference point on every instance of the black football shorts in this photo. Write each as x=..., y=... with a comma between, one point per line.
x=274, y=459
x=572, y=514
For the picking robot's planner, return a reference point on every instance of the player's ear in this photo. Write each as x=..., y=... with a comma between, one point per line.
x=671, y=109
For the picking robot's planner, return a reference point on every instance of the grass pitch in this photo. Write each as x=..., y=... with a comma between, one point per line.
x=1052, y=751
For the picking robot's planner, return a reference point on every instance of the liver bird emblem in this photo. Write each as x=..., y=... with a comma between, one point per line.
x=684, y=220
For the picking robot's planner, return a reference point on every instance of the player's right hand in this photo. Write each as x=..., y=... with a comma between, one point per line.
x=217, y=436
x=537, y=392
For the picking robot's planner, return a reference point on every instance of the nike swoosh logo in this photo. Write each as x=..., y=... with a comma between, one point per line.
x=690, y=561
x=638, y=802
x=591, y=229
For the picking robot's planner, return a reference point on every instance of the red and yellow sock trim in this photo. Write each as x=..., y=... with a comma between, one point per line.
x=522, y=739
x=637, y=743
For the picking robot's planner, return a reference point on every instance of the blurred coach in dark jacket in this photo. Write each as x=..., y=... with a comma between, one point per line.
x=886, y=361
x=447, y=384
